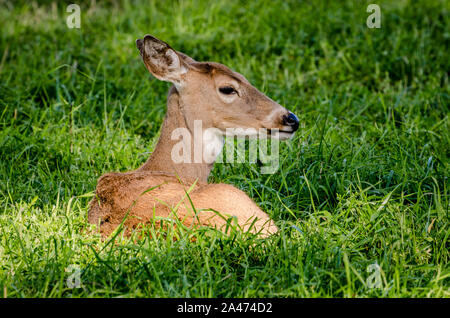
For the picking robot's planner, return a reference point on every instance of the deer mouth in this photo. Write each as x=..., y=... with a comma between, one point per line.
x=280, y=134
x=287, y=131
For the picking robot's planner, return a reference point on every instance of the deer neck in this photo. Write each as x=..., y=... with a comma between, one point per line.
x=162, y=157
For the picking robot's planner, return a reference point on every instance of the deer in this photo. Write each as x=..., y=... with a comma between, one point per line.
x=163, y=188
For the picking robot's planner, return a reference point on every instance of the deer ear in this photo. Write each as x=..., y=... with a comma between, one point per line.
x=161, y=60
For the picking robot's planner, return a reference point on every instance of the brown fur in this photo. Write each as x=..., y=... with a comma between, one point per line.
x=164, y=189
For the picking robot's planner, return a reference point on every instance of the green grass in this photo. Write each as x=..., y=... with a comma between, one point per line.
x=364, y=181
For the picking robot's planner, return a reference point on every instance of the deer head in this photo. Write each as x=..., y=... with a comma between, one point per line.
x=213, y=93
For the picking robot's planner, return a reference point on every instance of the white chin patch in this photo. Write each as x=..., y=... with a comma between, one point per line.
x=281, y=135
x=261, y=133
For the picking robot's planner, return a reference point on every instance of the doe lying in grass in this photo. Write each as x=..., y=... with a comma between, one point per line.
x=221, y=100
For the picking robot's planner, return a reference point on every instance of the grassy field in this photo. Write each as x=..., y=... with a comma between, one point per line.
x=364, y=181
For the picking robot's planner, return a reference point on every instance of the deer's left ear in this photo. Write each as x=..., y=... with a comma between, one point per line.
x=161, y=60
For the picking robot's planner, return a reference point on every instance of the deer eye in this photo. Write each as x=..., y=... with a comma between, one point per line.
x=227, y=90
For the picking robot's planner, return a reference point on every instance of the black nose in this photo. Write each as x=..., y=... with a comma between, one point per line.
x=291, y=120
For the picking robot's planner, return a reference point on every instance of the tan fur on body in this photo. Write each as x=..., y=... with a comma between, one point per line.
x=159, y=188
